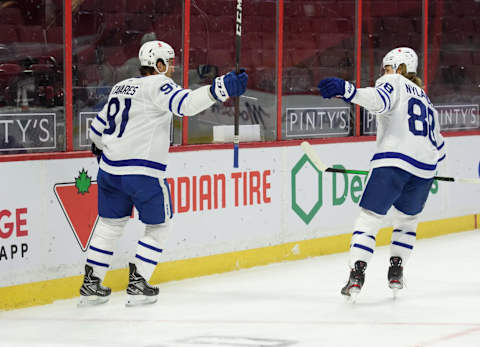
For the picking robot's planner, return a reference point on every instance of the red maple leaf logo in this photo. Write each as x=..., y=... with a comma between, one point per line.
x=79, y=204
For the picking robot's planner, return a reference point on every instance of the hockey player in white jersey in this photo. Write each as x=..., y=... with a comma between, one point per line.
x=409, y=147
x=131, y=138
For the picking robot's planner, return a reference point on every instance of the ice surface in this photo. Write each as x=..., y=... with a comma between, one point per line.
x=286, y=304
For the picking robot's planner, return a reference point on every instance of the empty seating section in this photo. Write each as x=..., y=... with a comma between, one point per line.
x=319, y=36
x=454, y=59
x=31, y=49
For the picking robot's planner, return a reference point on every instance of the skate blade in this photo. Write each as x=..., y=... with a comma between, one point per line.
x=395, y=286
x=92, y=300
x=353, y=297
x=395, y=292
x=354, y=291
x=140, y=300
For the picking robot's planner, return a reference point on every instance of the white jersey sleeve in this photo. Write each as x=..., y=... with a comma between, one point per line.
x=380, y=99
x=97, y=126
x=133, y=129
x=408, y=128
x=182, y=102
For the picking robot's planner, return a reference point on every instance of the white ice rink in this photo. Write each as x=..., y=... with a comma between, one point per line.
x=288, y=304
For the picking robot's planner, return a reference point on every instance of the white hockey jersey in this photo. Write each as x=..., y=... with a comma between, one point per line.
x=133, y=128
x=408, y=130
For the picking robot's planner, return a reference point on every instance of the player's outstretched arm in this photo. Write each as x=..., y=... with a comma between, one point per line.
x=377, y=100
x=192, y=102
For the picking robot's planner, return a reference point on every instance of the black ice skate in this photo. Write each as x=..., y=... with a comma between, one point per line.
x=92, y=292
x=138, y=290
x=395, y=274
x=355, y=281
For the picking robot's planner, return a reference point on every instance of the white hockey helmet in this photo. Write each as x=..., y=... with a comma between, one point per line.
x=401, y=55
x=151, y=51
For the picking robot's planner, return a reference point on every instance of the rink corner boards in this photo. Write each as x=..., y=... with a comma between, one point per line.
x=44, y=292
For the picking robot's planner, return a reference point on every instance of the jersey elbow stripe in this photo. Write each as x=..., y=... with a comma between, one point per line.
x=170, y=103
x=410, y=160
x=180, y=103
x=384, y=102
x=101, y=120
x=95, y=131
x=387, y=97
x=441, y=146
x=442, y=157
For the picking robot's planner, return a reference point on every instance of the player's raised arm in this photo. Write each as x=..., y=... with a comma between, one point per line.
x=377, y=100
x=187, y=102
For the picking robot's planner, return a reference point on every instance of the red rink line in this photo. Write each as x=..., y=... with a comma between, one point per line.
x=448, y=337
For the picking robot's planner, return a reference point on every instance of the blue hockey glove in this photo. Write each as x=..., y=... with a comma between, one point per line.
x=333, y=86
x=229, y=85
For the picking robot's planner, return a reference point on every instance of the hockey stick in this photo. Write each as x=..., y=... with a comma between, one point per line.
x=315, y=159
x=238, y=42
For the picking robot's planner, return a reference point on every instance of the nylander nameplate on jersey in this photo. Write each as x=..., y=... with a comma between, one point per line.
x=317, y=121
x=26, y=131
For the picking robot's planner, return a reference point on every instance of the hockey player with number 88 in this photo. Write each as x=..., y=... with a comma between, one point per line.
x=409, y=147
x=131, y=138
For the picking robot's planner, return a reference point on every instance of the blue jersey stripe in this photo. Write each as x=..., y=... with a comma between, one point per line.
x=442, y=157
x=441, y=146
x=181, y=102
x=384, y=102
x=100, y=250
x=171, y=99
x=365, y=248
x=95, y=131
x=401, y=244
x=361, y=232
x=401, y=156
x=135, y=162
x=96, y=263
x=146, y=245
x=146, y=259
x=101, y=120
x=411, y=233
x=386, y=96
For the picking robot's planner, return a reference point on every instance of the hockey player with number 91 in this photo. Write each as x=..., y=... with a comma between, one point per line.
x=409, y=147
x=131, y=138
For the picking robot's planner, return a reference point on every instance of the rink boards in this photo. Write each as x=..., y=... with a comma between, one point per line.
x=275, y=207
